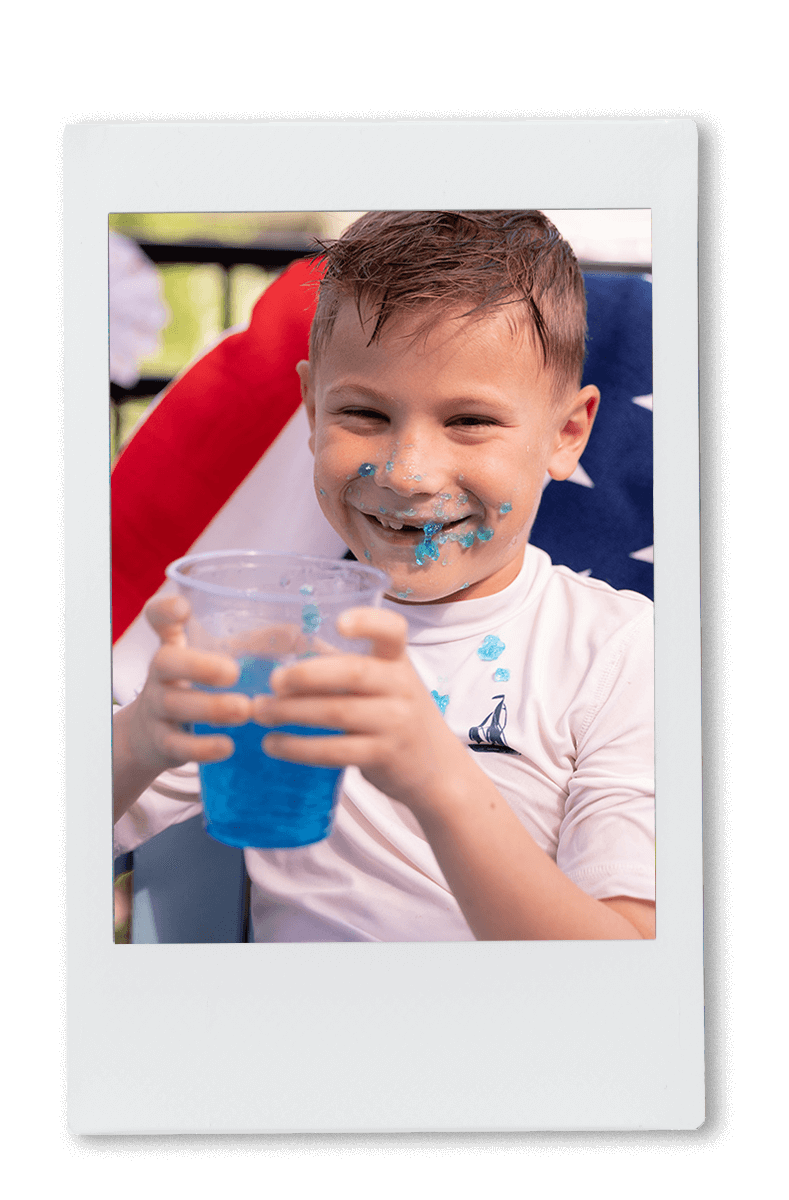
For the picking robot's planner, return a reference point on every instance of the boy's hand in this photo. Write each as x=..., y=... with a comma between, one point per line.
x=155, y=736
x=392, y=728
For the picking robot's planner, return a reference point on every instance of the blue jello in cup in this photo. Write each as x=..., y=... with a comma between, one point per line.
x=264, y=610
x=251, y=799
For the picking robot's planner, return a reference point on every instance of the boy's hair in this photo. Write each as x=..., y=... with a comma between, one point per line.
x=395, y=263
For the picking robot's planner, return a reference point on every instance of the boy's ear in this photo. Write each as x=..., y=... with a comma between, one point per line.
x=574, y=433
x=308, y=397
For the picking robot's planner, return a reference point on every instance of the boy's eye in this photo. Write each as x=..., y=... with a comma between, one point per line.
x=365, y=414
x=476, y=420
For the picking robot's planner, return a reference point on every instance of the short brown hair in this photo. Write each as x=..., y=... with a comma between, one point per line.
x=398, y=262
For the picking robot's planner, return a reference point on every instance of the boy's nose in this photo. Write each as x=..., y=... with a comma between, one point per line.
x=413, y=469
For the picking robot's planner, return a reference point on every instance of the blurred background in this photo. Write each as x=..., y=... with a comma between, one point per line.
x=179, y=281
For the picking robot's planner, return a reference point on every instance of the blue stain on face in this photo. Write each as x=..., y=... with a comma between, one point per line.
x=367, y=469
x=368, y=556
x=484, y=535
x=505, y=508
x=501, y=675
x=491, y=649
x=467, y=540
x=462, y=499
x=441, y=701
x=390, y=466
x=427, y=548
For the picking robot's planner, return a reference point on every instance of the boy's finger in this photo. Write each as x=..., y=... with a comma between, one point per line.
x=342, y=674
x=190, y=705
x=173, y=662
x=387, y=631
x=167, y=615
x=188, y=747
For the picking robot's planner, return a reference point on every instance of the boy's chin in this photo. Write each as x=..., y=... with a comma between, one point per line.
x=424, y=592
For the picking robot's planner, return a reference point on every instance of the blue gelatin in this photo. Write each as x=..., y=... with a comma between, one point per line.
x=425, y=550
x=311, y=619
x=467, y=540
x=505, y=508
x=441, y=701
x=367, y=469
x=484, y=535
x=390, y=466
x=501, y=675
x=491, y=649
x=253, y=800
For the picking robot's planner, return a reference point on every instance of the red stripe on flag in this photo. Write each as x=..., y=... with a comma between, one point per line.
x=208, y=431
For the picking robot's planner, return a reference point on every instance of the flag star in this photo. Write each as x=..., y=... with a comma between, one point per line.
x=644, y=401
x=579, y=476
x=645, y=555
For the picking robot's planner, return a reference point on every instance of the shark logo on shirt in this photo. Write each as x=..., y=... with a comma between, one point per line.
x=488, y=737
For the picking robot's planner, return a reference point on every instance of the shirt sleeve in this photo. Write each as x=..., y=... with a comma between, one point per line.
x=172, y=798
x=607, y=835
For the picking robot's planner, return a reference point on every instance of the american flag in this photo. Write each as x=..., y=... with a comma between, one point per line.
x=599, y=521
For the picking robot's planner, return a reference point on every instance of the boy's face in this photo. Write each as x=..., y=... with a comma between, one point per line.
x=455, y=430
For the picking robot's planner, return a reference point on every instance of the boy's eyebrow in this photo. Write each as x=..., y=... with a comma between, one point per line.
x=359, y=389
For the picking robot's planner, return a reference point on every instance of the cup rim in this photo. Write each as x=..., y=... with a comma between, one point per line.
x=174, y=571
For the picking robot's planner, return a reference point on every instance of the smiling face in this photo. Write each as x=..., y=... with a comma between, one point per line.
x=430, y=452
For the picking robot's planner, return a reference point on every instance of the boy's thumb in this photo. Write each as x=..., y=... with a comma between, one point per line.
x=167, y=616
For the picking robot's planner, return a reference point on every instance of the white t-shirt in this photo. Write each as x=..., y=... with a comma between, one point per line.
x=561, y=719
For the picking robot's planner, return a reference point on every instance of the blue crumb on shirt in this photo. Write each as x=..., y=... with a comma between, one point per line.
x=441, y=701
x=491, y=649
x=501, y=675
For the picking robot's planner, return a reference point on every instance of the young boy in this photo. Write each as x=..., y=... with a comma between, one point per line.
x=499, y=739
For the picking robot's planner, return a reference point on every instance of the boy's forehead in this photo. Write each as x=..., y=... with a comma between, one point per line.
x=428, y=332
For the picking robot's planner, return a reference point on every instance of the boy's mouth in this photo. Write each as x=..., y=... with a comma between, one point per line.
x=413, y=529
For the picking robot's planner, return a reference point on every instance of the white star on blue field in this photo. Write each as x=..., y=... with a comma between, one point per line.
x=599, y=521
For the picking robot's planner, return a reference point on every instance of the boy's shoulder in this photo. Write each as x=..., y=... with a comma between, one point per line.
x=567, y=598
x=582, y=586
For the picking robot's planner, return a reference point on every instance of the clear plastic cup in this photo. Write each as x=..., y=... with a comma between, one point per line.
x=265, y=610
